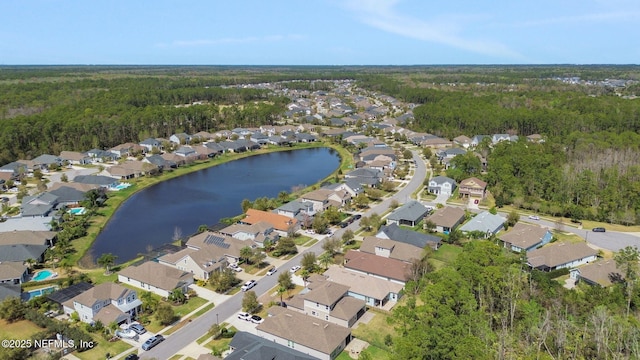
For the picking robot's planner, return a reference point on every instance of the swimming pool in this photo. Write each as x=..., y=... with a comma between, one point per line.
x=77, y=211
x=43, y=275
x=121, y=186
x=39, y=292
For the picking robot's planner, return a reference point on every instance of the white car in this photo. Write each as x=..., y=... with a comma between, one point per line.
x=295, y=268
x=248, y=285
x=244, y=316
x=534, y=217
x=271, y=271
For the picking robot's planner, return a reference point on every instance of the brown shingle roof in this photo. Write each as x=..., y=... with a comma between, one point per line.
x=104, y=291
x=524, y=235
x=327, y=293
x=305, y=330
x=26, y=237
x=447, y=216
x=601, y=272
x=377, y=265
x=158, y=275
x=362, y=284
x=473, y=182
x=279, y=222
x=558, y=254
x=399, y=250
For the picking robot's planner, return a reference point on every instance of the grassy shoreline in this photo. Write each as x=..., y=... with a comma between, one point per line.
x=82, y=256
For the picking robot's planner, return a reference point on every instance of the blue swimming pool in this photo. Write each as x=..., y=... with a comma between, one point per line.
x=42, y=275
x=77, y=211
x=39, y=292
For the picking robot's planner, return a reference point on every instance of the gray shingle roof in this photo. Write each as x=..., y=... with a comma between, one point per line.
x=251, y=347
x=485, y=222
x=394, y=232
x=95, y=180
x=412, y=211
x=21, y=252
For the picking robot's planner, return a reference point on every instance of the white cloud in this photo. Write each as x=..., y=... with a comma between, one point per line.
x=583, y=18
x=225, y=41
x=382, y=14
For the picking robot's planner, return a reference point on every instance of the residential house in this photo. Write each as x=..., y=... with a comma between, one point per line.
x=441, y=185
x=535, y=138
x=391, y=249
x=315, y=337
x=217, y=148
x=98, y=155
x=463, y=141
x=323, y=198
x=372, y=290
x=328, y=301
x=13, y=272
x=186, y=151
x=485, y=223
x=436, y=142
x=46, y=161
x=472, y=187
x=603, y=272
x=151, y=143
x=107, y=303
x=248, y=144
x=75, y=158
x=68, y=196
x=26, y=223
x=246, y=346
x=127, y=149
x=157, y=278
x=408, y=214
x=525, y=237
x=365, y=176
x=561, y=255
x=28, y=237
x=105, y=182
x=257, y=233
x=8, y=290
x=446, y=219
x=477, y=140
x=295, y=209
x=180, y=138
x=259, y=138
x=16, y=169
x=22, y=252
x=497, y=138
x=305, y=138
x=203, y=136
x=160, y=162
x=283, y=225
x=131, y=169
x=394, y=232
x=204, y=253
x=377, y=266
x=204, y=152
x=349, y=185
x=39, y=205
x=232, y=146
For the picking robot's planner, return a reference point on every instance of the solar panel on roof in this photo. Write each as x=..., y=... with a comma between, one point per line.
x=217, y=241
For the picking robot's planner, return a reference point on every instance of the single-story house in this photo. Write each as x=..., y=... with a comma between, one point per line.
x=283, y=225
x=446, y=219
x=409, y=214
x=157, y=278
x=394, y=232
x=560, y=256
x=151, y=143
x=318, y=338
x=106, y=182
x=13, y=272
x=30, y=237
x=484, y=222
x=463, y=141
x=526, y=237
x=76, y=158
x=602, y=272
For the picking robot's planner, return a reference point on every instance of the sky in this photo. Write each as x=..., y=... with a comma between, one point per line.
x=319, y=32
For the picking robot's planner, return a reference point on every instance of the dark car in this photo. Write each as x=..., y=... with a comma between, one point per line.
x=153, y=341
x=357, y=217
x=132, y=357
x=256, y=319
x=598, y=229
x=139, y=329
x=344, y=225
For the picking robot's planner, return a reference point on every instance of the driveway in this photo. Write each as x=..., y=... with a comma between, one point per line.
x=229, y=308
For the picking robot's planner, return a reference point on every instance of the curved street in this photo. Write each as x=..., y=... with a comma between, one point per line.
x=198, y=327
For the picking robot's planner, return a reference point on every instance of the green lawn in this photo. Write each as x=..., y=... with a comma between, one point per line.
x=22, y=329
x=447, y=253
x=375, y=331
x=301, y=240
x=375, y=352
x=103, y=348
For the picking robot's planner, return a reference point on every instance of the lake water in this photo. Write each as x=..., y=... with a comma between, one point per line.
x=149, y=218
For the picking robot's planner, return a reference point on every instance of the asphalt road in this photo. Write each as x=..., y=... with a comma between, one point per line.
x=198, y=327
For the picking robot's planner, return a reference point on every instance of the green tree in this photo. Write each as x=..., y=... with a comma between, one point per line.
x=250, y=302
x=627, y=261
x=12, y=309
x=286, y=245
x=512, y=218
x=325, y=259
x=64, y=178
x=165, y=314
x=348, y=236
x=177, y=296
x=246, y=253
x=246, y=205
x=107, y=260
x=285, y=281
x=308, y=261
x=149, y=302
x=223, y=280
x=361, y=201
x=320, y=224
x=332, y=215
x=332, y=245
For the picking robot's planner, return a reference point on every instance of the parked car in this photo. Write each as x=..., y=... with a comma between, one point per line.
x=256, y=319
x=248, y=285
x=271, y=271
x=244, y=316
x=344, y=225
x=294, y=268
x=357, y=217
x=599, y=229
x=152, y=341
x=4, y=199
x=281, y=304
x=139, y=329
x=132, y=357
x=534, y=217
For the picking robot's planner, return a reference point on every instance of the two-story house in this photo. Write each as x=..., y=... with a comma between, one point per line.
x=473, y=187
x=328, y=301
x=107, y=303
x=441, y=185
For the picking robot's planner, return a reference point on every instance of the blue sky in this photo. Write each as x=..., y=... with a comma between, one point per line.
x=319, y=32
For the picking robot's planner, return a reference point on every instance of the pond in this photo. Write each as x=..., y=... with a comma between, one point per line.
x=152, y=216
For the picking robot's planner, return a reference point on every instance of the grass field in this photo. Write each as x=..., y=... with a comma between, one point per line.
x=375, y=331
x=22, y=329
x=447, y=253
